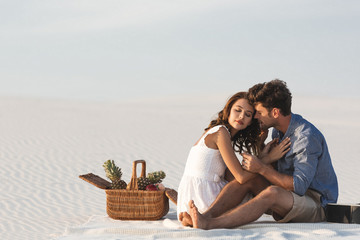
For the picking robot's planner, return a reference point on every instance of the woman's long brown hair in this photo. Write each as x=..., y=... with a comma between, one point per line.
x=247, y=139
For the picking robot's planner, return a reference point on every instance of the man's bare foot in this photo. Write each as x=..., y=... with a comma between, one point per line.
x=199, y=221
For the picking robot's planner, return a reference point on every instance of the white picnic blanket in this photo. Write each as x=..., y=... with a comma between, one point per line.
x=105, y=228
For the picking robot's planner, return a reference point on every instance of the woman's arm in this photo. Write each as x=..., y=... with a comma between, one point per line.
x=223, y=142
x=228, y=175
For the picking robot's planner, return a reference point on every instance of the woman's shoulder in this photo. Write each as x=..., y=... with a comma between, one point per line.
x=222, y=129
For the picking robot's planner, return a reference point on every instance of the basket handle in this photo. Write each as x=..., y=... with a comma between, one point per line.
x=133, y=183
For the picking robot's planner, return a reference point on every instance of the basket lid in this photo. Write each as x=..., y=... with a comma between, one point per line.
x=96, y=181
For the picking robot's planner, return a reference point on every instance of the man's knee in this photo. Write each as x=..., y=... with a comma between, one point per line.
x=272, y=193
x=280, y=200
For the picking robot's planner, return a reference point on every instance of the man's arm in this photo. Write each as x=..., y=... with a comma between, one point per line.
x=253, y=164
x=305, y=154
x=308, y=150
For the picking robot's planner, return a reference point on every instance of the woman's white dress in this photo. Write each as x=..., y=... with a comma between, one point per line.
x=203, y=176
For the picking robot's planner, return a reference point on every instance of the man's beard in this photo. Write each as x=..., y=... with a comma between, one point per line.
x=264, y=126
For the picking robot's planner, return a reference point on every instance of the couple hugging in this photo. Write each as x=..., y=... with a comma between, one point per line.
x=291, y=177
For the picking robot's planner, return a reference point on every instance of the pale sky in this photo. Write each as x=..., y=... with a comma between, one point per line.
x=116, y=49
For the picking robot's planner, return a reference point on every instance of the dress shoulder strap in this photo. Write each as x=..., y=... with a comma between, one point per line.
x=210, y=131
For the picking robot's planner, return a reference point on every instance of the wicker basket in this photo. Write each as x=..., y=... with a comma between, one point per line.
x=131, y=203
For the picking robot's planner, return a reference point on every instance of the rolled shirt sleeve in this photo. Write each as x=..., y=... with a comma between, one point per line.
x=306, y=157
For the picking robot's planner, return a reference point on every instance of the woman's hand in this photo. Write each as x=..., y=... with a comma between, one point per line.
x=268, y=147
x=277, y=151
x=263, y=135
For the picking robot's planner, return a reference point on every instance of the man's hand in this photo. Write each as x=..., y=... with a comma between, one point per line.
x=251, y=163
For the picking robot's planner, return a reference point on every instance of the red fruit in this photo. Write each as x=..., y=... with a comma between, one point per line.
x=160, y=186
x=151, y=187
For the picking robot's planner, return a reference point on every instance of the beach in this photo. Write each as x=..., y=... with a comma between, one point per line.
x=47, y=143
x=83, y=82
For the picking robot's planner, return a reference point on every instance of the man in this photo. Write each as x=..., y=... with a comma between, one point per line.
x=297, y=191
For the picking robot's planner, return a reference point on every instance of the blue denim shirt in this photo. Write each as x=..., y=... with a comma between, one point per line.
x=308, y=160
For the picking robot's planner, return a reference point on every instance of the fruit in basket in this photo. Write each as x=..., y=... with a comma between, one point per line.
x=156, y=177
x=114, y=173
x=151, y=187
x=160, y=186
x=143, y=182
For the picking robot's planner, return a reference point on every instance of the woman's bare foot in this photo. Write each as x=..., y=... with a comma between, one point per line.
x=185, y=219
x=181, y=216
x=198, y=220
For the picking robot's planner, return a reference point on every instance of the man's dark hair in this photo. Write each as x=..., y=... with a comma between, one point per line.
x=273, y=94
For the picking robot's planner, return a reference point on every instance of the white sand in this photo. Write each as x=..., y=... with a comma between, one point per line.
x=46, y=144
